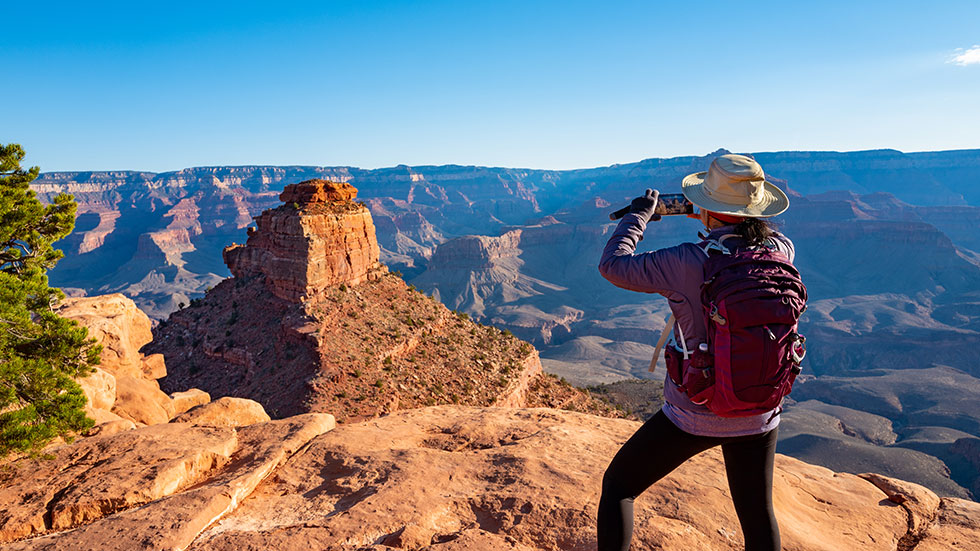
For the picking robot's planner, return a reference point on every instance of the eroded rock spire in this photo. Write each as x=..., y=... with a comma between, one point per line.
x=318, y=238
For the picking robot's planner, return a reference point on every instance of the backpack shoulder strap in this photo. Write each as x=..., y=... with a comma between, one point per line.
x=718, y=245
x=727, y=236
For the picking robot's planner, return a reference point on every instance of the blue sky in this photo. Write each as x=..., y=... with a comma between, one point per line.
x=119, y=85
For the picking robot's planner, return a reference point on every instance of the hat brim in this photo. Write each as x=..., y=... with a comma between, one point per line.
x=773, y=201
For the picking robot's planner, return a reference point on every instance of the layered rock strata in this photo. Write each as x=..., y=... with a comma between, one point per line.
x=317, y=239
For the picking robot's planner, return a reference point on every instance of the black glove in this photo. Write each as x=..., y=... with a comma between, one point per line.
x=645, y=205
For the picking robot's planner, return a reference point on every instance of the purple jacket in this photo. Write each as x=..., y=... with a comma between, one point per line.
x=677, y=273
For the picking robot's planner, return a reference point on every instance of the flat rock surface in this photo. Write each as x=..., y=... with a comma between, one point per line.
x=495, y=478
x=957, y=527
x=442, y=478
x=174, y=519
x=98, y=476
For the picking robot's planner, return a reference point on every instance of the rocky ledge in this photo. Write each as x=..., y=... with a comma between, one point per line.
x=443, y=478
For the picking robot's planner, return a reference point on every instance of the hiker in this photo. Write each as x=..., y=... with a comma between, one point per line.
x=732, y=197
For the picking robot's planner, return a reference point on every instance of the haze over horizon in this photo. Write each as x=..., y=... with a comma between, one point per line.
x=550, y=85
x=612, y=164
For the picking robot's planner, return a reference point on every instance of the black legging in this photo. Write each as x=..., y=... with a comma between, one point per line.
x=659, y=447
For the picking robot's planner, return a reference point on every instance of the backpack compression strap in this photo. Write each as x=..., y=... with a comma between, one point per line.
x=663, y=340
x=668, y=331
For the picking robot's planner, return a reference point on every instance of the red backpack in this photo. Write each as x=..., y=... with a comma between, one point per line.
x=753, y=299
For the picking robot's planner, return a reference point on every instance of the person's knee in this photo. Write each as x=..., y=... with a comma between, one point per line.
x=613, y=486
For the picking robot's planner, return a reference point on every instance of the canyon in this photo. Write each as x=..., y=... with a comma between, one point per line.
x=887, y=243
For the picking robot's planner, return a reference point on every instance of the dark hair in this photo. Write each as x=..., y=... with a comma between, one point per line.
x=755, y=231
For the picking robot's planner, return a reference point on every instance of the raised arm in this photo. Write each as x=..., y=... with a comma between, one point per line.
x=660, y=271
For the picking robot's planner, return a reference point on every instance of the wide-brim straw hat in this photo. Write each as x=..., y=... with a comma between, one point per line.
x=735, y=185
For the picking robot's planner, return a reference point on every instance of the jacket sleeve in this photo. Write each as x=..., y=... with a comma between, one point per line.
x=659, y=271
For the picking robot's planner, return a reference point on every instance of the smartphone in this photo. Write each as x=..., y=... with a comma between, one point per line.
x=670, y=204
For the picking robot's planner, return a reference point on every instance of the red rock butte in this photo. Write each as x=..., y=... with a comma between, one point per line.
x=318, y=191
x=317, y=239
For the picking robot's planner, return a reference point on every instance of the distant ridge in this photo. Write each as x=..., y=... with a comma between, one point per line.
x=720, y=151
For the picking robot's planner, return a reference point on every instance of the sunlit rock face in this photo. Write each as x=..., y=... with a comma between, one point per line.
x=318, y=238
x=124, y=386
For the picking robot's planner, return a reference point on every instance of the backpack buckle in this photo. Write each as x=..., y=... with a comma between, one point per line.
x=797, y=351
x=715, y=316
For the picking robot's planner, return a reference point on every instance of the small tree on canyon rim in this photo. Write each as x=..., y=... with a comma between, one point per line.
x=40, y=352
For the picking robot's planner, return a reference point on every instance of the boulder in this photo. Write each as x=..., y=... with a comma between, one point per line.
x=117, y=324
x=100, y=388
x=100, y=416
x=141, y=400
x=153, y=366
x=225, y=412
x=187, y=399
